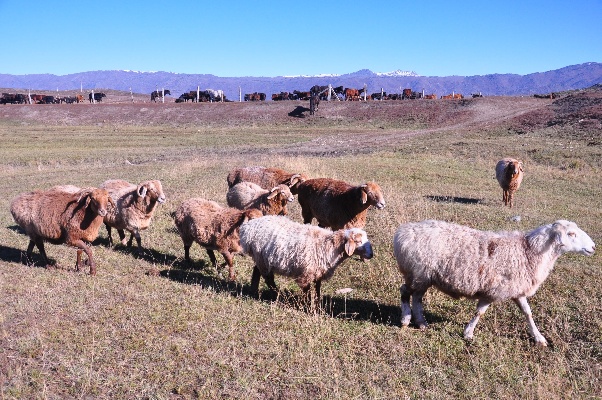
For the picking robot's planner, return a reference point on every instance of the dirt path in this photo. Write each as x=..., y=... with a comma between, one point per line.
x=482, y=114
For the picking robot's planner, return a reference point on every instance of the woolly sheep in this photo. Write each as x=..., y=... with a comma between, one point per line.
x=212, y=227
x=267, y=178
x=509, y=174
x=487, y=266
x=135, y=207
x=337, y=204
x=61, y=216
x=247, y=195
x=305, y=253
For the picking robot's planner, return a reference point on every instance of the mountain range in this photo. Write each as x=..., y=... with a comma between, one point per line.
x=568, y=78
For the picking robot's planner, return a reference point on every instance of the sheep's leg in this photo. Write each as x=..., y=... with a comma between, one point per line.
x=121, y=236
x=318, y=289
x=308, y=299
x=81, y=245
x=187, y=252
x=521, y=302
x=29, y=251
x=230, y=261
x=482, y=306
x=78, y=262
x=212, y=258
x=255, y=281
x=417, y=309
x=40, y=245
x=136, y=234
x=109, y=234
x=269, y=280
x=406, y=310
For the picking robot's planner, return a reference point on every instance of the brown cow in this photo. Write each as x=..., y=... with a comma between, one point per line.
x=351, y=94
x=430, y=96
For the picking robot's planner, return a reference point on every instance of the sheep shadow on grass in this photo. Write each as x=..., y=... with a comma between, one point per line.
x=10, y=254
x=333, y=306
x=454, y=199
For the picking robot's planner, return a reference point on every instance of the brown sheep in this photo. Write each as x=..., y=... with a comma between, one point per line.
x=337, y=204
x=61, y=216
x=213, y=227
x=509, y=174
x=135, y=207
x=247, y=195
x=267, y=178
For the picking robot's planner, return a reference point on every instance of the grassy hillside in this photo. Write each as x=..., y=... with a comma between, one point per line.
x=149, y=327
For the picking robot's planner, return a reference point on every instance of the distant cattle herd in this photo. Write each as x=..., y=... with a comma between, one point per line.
x=316, y=92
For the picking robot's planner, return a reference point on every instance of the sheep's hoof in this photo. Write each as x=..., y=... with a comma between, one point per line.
x=541, y=344
x=422, y=326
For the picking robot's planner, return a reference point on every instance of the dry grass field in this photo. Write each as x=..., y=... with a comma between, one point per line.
x=148, y=327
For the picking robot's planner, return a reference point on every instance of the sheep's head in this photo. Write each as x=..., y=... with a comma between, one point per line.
x=372, y=195
x=515, y=167
x=295, y=181
x=356, y=242
x=282, y=193
x=151, y=191
x=96, y=199
x=572, y=239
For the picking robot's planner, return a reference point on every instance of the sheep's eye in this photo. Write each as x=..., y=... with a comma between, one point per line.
x=571, y=234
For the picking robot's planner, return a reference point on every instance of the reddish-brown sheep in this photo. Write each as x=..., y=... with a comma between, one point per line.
x=337, y=204
x=267, y=178
x=61, y=216
x=213, y=227
x=509, y=174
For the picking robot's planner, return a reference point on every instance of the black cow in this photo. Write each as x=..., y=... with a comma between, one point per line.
x=157, y=93
x=97, y=97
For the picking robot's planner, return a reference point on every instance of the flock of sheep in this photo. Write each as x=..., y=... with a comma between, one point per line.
x=458, y=260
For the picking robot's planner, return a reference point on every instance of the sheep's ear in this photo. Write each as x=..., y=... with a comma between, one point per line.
x=520, y=166
x=349, y=246
x=273, y=193
x=364, y=194
x=142, y=191
x=87, y=201
x=559, y=231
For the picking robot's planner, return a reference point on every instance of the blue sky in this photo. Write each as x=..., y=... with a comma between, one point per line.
x=274, y=38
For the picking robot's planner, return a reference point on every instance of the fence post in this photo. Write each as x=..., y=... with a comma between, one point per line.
x=239, y=94
x=198, y=93
x=93, y=98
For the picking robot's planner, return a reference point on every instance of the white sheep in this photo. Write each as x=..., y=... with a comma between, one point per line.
x=487, y=266
x=245, y=195
x=305, y=253
x=134, y=208
x=213, y=227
